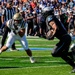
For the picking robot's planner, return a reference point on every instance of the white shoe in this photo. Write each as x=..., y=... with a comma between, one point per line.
x=32, y=60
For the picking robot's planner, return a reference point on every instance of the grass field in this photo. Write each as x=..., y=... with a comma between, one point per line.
x=17, y=62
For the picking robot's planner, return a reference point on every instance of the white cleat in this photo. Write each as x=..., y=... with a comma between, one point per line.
x=32, y=60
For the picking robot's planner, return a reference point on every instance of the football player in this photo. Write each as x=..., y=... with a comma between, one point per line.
x=17, y=26
x=56, y=29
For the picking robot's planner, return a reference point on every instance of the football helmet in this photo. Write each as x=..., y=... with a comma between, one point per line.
x=48, y=19
x=17, y=19
x=47, y=11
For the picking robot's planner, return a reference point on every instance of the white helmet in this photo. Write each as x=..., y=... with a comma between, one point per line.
x=17, y=18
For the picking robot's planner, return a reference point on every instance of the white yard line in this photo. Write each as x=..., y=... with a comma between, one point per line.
x=37, y=48
x=53, y=61
x=41, y=39
x=36, y=67
x=47, y=66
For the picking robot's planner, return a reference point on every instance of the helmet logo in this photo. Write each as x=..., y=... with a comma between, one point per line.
x=49, y=19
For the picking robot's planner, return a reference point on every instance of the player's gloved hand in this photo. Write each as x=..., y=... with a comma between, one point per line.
x=21, y=32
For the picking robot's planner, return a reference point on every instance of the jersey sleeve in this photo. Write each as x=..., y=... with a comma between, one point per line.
x=7, y=23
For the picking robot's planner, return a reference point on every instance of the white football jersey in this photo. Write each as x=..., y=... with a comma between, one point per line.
x=10, y=25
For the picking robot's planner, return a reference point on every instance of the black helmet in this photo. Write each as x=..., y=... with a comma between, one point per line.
x=47, y=11
x=48, y=19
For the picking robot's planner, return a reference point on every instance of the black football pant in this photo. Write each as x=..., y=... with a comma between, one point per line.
x=62, y=50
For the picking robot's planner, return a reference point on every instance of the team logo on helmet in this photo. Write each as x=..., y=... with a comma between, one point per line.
x=49, y=18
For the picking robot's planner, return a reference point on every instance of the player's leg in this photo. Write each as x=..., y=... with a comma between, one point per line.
x=4, y=36
x=9, y=43
x=13, y=47
x=58, y=49
x=72, y=48
x=24, y=43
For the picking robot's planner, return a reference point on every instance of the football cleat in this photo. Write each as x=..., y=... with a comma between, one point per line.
x=32, y=60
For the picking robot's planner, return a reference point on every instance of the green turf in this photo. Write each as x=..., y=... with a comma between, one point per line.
x=17, y=62
x=39, y=43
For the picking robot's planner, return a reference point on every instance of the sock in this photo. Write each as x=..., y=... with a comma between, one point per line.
x=30, y=57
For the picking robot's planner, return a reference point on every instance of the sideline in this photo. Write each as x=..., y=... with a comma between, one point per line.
x=36, y=48
x=22, y=49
